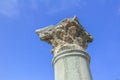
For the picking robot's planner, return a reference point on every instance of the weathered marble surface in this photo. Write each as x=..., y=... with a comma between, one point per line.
x=68, y=32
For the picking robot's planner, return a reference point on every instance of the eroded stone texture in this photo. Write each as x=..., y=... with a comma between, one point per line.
x=69, y=33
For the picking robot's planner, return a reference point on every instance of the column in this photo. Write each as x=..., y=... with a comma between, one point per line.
x=69, y=40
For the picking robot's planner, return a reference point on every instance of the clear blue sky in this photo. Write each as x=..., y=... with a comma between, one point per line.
x=24, y=57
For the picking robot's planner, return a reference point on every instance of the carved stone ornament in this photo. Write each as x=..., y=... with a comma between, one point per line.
x=69, y=33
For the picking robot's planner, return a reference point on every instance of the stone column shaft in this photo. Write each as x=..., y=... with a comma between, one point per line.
x=72, y=65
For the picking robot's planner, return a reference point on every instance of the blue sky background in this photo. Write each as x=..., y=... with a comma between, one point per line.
x=24, y=57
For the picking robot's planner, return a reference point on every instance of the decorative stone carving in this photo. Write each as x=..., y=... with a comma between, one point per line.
x=68, y=33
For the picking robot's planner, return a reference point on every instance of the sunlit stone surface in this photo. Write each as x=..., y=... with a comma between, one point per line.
x=69, y=40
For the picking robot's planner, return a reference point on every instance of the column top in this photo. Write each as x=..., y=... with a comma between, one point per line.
x=67, y=34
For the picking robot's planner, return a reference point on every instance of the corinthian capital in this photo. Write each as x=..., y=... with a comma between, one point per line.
x=69, y=33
